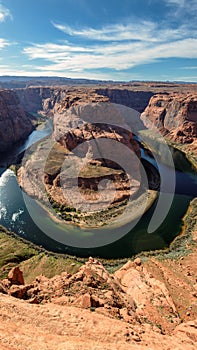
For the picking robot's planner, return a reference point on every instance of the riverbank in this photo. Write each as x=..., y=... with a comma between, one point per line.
x=32, y=259
x=124, y=213
x=35, y=260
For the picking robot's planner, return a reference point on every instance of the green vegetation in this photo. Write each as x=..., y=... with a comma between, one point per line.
x=13, y=252
x=33, y=260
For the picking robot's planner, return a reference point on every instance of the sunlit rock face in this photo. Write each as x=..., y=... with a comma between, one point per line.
x=175, y=114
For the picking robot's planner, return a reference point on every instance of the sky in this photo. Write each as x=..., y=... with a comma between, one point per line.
x=120, y=40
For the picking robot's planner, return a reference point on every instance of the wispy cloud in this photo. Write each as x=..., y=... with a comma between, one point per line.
x=119, y=32
x=117, y=47
x=4, y=13
x=189, y=4
x=3, y=43
x=145, y=31
x=118, y=57
x=179, y=3
x=190, y=67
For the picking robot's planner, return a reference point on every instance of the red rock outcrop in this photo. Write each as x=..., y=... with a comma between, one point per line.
x=132, y=307
x=131, y=294
x=15, y=124
x=15, y=276
x=174, y=114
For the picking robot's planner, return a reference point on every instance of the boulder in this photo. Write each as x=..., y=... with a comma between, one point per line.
x=15, y=276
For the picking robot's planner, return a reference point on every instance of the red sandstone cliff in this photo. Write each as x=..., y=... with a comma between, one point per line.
x=174, y=114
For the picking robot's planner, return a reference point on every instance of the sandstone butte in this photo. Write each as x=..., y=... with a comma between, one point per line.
x=145, y=304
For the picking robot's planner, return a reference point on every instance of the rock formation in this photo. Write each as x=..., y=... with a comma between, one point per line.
x=137, y=306
x=15, y=123
x=137, y=100
x=87, y=128
x=45, y=99
x=174, y=114
x=170, y=108
x=40, y=99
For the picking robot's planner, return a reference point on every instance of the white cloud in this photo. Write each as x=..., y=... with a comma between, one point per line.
x=119, y=32
x=34, y=72
x=119, y=56
x=3, y=43
x=190, y=67
x=186, y=78
x=4, y=13
x=117, y=47
x=144, y=31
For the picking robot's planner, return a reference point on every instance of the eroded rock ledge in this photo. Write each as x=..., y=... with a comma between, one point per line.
x=138, y=305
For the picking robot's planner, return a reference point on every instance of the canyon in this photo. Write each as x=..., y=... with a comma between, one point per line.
x=172, y=107
x=173, y=113
x=147, y=302
x=82, y=117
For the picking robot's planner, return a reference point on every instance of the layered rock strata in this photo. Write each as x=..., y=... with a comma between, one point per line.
x=175, y=115
x=137, y=100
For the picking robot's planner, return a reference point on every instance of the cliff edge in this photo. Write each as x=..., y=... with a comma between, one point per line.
x=15, y=123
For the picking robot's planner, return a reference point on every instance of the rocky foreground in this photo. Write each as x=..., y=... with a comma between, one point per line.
x=145, y=305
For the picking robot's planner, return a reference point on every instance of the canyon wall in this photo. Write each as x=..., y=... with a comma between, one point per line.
x=15, y=124
x=35, y=99
x=175, y=115
x=137, y=100
x=173, y=112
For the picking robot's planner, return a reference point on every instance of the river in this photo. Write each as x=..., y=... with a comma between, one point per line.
x=15, y=216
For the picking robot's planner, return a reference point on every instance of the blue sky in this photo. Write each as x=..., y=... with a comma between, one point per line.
x=99, y=39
